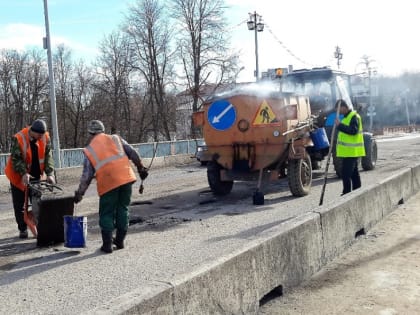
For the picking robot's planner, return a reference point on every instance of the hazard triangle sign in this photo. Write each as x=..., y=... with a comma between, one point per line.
x=264, y=115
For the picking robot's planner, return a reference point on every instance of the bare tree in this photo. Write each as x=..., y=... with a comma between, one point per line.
x=18, y=84
x=5, y=101
x=114, y=74
x=147, y=27
x=63, y=67
x=23, y=90
x=37, y=84
x=81, y=93
x=203, y=45
x=140, y=122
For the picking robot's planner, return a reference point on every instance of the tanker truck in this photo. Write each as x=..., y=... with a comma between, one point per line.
x=274, y=129
x=257, y=133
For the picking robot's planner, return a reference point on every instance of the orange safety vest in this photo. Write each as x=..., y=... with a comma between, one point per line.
x=25, y=147
x=111, y=164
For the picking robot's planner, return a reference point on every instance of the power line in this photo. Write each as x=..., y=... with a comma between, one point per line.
x=290, y=52
x=287, y=49
x=236, y=26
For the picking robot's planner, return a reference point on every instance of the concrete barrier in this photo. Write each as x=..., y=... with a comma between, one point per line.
x=283, y=257
x=343, y=220
x=416, y=177
x=398, y=188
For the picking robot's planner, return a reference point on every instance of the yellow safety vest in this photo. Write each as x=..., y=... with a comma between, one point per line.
x=351, y=145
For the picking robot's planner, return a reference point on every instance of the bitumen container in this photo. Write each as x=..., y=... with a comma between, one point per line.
x=320, y=139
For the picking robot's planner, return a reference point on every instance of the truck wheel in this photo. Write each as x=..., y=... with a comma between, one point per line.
x=213, y=177
x=299, y=173
x=371, y=149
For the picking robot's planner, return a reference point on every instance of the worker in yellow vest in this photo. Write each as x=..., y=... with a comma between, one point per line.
x=350, y=145
x=107, y=158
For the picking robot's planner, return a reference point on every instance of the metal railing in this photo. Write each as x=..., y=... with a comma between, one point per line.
x=74, y=157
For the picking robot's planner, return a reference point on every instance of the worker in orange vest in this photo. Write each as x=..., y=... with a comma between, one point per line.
x=107, y=158
x=30, y=160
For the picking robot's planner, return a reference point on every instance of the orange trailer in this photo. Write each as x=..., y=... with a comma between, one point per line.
x=251, y=134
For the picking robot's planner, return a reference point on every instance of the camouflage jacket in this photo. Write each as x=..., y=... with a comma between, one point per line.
x=18, y=160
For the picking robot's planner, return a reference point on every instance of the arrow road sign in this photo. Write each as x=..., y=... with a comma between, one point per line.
x=221, y=115
x=217, y=118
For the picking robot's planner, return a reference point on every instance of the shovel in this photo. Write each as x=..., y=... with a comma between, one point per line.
x=28, y=216
x=141, y=188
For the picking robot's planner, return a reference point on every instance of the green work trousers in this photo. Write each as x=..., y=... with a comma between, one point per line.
x=113, y=208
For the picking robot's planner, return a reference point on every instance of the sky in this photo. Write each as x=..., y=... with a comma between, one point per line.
x=302, y=33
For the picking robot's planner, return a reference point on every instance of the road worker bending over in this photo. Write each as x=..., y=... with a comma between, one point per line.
x=107, y=159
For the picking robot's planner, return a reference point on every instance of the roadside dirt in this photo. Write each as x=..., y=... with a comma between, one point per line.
x=379, y=274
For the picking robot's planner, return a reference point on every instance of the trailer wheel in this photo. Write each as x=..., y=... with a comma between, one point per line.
x=299, y=173
x=213, y=177
x=371, y=148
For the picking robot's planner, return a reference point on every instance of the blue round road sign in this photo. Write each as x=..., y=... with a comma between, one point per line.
x=221, y=115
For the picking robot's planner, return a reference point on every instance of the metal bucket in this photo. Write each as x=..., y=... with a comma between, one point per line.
x=75, y=231
x=320, y=139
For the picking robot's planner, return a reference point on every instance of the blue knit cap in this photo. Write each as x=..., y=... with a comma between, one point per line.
x=39, y=126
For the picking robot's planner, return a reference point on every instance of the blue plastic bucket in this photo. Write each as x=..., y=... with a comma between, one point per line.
x=320, y=139
x=75, y=231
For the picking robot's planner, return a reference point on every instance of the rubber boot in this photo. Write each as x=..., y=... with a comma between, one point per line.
x=119, y=239
x=107, y=242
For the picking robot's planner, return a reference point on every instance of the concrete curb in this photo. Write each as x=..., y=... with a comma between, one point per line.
x=283, y=257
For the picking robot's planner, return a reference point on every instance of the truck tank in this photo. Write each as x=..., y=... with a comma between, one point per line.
x=251, y=134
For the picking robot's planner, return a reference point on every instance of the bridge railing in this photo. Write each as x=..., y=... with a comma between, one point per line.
x=74, y=157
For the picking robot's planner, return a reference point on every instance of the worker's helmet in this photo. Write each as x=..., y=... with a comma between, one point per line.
x=39, y=126
x=95, y=127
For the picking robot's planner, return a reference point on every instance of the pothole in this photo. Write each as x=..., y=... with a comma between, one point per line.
x=146, y=202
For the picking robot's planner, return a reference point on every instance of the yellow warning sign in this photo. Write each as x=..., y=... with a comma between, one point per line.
x=264, y=115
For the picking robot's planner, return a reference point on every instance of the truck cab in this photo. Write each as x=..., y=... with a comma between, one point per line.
x=324, y=87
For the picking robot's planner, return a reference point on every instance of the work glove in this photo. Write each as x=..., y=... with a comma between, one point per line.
x=77, y=197
x=143, y=172
x=50, y=179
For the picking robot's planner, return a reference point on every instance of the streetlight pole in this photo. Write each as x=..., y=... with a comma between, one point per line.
x=47, y=46
x=255, y=26
x=338, y=55
x=407, y=112
x=371, y=109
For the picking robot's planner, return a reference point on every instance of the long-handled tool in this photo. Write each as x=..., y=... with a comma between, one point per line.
x=258, y=196
x=321, y=200
x=28, y=216
x=141, y=187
